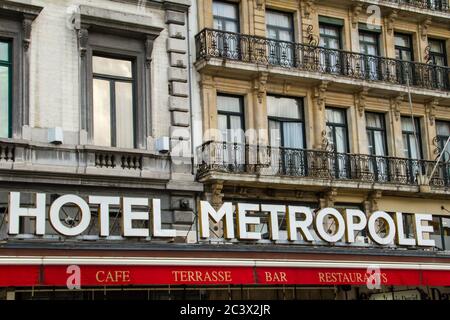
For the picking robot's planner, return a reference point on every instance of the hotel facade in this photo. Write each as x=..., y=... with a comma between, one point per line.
x=240, y=117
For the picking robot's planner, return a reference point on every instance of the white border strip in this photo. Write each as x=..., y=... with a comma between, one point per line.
x=215, y=262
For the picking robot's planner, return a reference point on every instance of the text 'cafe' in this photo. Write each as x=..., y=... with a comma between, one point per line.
x=239, y=260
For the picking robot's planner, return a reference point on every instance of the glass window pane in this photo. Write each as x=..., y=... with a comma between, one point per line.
x=225, y=10
x=4, y=102
x=4, y=51
x=223, y=126
x=341, y=140
x=335, y=116
x=293, y=135
x=379, y=143
x=436, y=46
x=102, y=113
x=278, y=19
x=124, y=115
x=407, y=124
x=283, y=108
x=374, y=120
x=237, y=134
x=228, y=104
x=112, y=67
x=446, y=233
x=402, y=40
x=443, y=128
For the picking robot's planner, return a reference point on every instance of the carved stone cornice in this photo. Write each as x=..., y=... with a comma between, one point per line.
x=260, y=85
x=361, y=100
x=430, y=108
x=395, y=106
x=260, y=4
x=390, y=21
x=308, y=8
x=356, y=11
x=424, y=27
x=320, y=94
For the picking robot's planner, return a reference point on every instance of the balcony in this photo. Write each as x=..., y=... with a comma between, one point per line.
x=434, y=5
x=232, y=158
x=318, y=60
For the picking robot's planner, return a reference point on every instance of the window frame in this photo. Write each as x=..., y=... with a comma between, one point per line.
x=228, y=114
x=371, y=33
x=291, y=28
x=9, y=64
x=370, y=130
x=402, y=48
x=418, y=129
x=112, y=82
x=344, y=125
x=339, y=37
x=225, y=19
x=443, y=54
x=282, y=120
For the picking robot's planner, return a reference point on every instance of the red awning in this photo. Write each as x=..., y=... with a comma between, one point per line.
x=58, y=276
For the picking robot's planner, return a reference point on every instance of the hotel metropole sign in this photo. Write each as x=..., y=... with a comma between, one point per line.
x=239, y=221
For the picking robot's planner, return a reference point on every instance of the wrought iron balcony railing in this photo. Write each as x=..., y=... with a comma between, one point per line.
x=435, y=5
x=252, y=49
x=237, y=158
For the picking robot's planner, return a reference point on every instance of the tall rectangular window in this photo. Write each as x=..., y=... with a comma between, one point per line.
x=113, y=101
x=376, y=133
x=5, y=89
x=286, y=127
x=403, y=47
x=369, y=46
x=410, y=130
x=330, y=38
x=280, y=27
x=438, y=53
x=231, y=118
x=226, y=19
x=442, y=134
x=337, y=131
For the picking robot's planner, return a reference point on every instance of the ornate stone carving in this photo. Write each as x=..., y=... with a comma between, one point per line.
x=390, y=21
x=328, y=198
x=26, y=25
x=373, y=199
x=395, y=106
x=356, y=11
x=259, y=85
x=424, y=26
x=148, y=51
x=217, y=195
x=320, y=93
x=308, y=8
x=83, y=38
x=361, y=100
x=430, y=108
x=260, y=4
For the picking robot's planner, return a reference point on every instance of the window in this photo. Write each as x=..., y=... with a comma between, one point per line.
x=226, y=19
x=330, y=38
x=441, y=234
x=280, y=28
x=369, y=46
x=286, y=128
x=376, y=134
x=412, y=147
x=231, y=118
x=5, y=89
x=403, y=47
x=337, y=134
x=113, y=95
x=337, y=129
x=442, y=134
x=438, y=53
x=287, y=135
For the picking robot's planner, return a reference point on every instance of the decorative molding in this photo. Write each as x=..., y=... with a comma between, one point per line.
x=328, y=198
x=313, y=40
x=395, y=106
x=308, y=8
x=361, y=100
x=373, y=199
x=216, y=194
x=424, y=27
x=260, y=4
x=148, y=51
x=26, y=27
x=390, y=21
x=286, y=87
x=430, y=108
x=320, y=93
x=260, y=85
x=83, y=40
x=356, y=11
